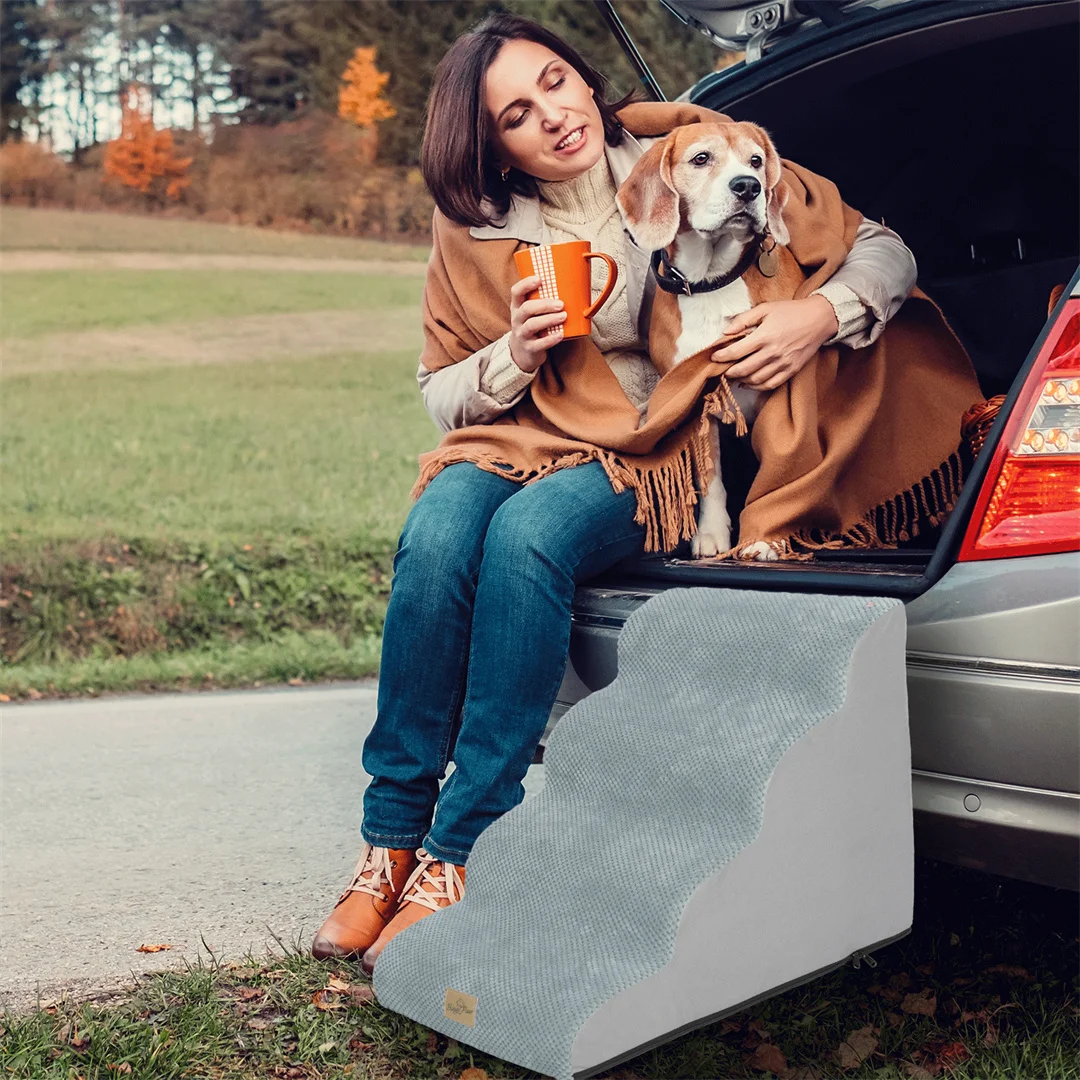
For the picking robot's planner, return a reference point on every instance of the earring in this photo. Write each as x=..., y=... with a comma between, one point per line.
x=504, y=174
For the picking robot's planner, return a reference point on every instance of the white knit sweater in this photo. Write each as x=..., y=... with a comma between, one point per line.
x=584, y=209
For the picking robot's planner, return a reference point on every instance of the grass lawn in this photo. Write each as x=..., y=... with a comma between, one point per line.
x=47, y=301
x=325, y=446
x=69, y=230
x=183, y=497
x=985, y=988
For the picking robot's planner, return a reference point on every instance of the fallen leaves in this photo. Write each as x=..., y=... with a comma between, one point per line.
x=924, y=1003
x=329, y=997
x=768, y=1058
x=941, y=1055
x=153, y=948
x=915, y=1072
x=325, y=1000
x=857, y=1047
x=474, y=1074
x=356, y=1043
x=70, y=1034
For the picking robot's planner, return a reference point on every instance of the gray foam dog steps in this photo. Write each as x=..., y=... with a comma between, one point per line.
x=731, y=816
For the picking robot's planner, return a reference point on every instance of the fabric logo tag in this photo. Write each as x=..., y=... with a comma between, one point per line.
x=460, y=1007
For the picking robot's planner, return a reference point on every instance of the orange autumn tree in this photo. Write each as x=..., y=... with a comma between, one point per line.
x=143, y=157
x=360, y=97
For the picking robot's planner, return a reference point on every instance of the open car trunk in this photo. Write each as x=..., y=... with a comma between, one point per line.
x=963, y=137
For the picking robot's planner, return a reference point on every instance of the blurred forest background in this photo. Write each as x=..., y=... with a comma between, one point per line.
x=292, y=114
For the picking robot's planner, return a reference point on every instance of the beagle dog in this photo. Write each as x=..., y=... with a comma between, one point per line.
x=708, y=201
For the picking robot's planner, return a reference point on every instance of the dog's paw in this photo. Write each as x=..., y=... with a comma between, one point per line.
x=708, y=543
x=760, y=551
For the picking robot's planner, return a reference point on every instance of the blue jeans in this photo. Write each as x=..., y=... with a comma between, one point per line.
x=475, y=645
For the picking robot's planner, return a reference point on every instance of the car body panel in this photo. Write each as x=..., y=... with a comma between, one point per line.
x=1005, y=829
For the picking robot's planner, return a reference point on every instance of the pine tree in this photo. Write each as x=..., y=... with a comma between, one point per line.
x=23, y=64
x=190, y=36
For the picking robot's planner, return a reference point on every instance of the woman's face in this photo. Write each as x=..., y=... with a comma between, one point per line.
x=545, y=120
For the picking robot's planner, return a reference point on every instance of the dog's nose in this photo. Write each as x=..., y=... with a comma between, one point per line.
x=746, y=187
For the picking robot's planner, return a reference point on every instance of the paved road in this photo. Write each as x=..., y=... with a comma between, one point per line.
x=170, y=819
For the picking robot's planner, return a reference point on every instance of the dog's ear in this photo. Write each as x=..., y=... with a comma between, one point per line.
x=648, y=200
x=776, y=192
x=774, y=212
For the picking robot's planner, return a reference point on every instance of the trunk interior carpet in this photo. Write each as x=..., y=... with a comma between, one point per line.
x=728, y=818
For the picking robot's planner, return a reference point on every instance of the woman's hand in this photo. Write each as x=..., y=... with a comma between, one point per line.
x=786, y=334
x=530, y=321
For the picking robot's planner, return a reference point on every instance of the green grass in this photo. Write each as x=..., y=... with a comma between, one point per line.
x=68, y=230
x=199, y=516
x=39, y=302
x=994, y=963
x=324, y=445
x=316, y=655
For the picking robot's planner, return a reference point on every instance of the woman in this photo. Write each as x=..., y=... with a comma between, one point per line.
x=520, y=146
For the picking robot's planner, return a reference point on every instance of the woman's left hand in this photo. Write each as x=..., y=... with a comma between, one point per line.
x=785, y=334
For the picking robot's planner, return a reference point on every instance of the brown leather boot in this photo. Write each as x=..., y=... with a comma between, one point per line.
x=432, y=885
x=367, y=904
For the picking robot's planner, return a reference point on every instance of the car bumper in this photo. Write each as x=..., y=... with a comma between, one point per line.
x=1020, y=832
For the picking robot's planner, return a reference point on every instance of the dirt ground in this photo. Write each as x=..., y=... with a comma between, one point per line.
x=15, y=261
x=226, y=340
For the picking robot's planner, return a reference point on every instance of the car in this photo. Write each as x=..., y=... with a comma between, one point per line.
x=956, y=124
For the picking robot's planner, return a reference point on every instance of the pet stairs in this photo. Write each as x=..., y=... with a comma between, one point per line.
x=729, y=818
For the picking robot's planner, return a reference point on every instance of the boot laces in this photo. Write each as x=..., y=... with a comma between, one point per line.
x=444, y=881
x=374, y=862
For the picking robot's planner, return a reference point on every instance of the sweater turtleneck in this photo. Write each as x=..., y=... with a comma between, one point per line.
x=588, y=198
x=584, y=208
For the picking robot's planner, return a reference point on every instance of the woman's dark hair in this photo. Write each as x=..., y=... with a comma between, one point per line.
x=457, y=154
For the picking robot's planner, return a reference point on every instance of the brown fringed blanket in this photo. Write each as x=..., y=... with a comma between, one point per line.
x=856, y=448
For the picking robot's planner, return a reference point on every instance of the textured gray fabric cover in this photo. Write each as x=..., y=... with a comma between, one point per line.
x=651, y=785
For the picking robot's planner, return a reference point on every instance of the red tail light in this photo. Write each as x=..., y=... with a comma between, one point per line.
x=1030, y=501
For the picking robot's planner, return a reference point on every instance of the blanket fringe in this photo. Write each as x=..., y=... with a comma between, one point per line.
x=432, y=468
x=897, y=519
x=666, y=486
x=721, y=402
x=667, y=489
x=666, y=494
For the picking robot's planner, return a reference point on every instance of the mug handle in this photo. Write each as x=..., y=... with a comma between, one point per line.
x=613, y=276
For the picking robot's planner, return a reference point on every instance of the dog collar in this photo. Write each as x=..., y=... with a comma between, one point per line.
x=670, y=280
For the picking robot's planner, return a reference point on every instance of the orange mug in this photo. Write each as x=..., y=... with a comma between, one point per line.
x=565, y=275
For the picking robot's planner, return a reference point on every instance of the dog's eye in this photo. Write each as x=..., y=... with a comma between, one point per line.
x=701, y=159
x=755, y=161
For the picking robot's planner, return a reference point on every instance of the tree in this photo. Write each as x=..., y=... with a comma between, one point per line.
x=143, y=157
x=185, y=41
x=23, y=64
x=360, y=99
x=271, y=57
